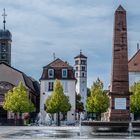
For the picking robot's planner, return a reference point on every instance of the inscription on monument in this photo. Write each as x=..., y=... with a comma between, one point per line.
x=120, y=103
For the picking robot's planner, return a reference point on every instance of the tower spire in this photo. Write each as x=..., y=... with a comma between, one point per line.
x=80, y=52
x=120, y=8
x=5, y=43
x=4, y=16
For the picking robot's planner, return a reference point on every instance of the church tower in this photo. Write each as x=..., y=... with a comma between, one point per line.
x=5, y=43
x=81, y=76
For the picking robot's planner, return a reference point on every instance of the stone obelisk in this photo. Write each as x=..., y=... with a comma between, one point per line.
x=119, y=89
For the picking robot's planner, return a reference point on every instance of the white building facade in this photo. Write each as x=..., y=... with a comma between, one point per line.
x=62, y=71
x=81, y=76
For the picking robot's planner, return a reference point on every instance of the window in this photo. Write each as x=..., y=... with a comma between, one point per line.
x=76, y=62
x=76, y=68
x=83, y=74
x=50, y=86
x=83, y=68
x=64, y=116
x=64, y=73
x=3, y=56
x=3, y=49
x=50, y=73
x=65, y=86
x=83, y=62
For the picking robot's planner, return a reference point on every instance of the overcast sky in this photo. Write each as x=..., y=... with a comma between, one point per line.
x=42, y=27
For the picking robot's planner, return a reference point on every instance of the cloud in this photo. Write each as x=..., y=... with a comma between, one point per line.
x=42, y=27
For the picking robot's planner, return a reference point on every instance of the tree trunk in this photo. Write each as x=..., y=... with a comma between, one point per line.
x=58, y=118
x=98, y=116
x=20, y=118
x=15, y=118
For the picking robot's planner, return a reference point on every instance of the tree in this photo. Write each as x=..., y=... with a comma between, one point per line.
x=135, y=98
x=98, y=101
x=57, y=102
x=79, y=104
x=17, y=101
x=88, y=92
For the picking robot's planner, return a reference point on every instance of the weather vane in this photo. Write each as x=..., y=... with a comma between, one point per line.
x=4, y=16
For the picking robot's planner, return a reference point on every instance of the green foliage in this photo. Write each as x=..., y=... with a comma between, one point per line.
x=97, y=87
x=90, y=104
x=57, y=101
x=79, y=104
x=16, y=100
x=135, y=97
x=88, y=92
x=98, y=101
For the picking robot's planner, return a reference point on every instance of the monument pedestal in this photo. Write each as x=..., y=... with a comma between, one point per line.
x=119, y=107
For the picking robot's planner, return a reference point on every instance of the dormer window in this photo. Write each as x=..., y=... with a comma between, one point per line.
x=64, y=73
x=50, y=73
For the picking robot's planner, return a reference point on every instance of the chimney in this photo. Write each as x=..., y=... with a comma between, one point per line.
x=138, y=46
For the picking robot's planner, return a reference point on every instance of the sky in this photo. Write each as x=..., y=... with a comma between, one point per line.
x=42, y=27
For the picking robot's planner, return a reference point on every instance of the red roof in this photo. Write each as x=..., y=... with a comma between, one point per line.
x=58, y=63
x=134, y=62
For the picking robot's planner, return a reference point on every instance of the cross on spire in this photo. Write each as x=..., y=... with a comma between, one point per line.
x=4, y=15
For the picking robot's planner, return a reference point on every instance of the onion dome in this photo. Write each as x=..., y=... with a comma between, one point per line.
x=5, y=34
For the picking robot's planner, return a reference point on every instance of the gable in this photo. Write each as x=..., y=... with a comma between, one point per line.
x=134, y=63
x=59, y=64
